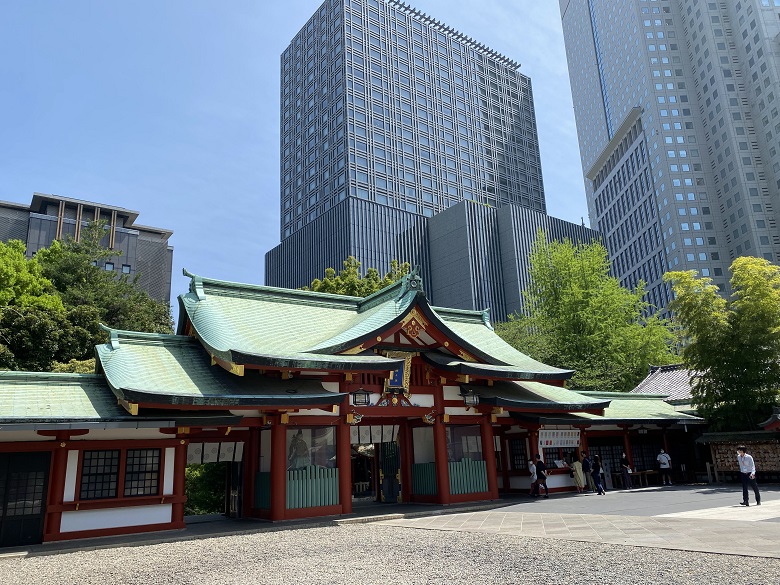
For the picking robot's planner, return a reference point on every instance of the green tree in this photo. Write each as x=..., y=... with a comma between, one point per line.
x=34, y=328
x=117, y=301
x=732, y=346
x=579, y=317
x=350, y=282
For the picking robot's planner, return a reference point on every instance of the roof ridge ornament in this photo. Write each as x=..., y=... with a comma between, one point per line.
x=113, y=336
x=411, y=282
x=196, y=284
x=486, y=318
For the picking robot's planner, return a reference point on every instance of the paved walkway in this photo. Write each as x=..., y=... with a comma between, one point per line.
x=723, y=529
x=694, y=518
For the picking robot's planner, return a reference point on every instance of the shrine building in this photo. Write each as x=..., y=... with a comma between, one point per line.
x=313, y=400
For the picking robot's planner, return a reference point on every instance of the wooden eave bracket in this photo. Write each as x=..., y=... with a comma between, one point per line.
x=237, y=369
x=131, y=407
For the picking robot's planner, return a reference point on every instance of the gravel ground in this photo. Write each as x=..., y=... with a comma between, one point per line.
x=366, y=553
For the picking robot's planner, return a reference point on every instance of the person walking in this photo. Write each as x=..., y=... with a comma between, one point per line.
x=665, y=467
x=541, y=477
x=596, y=474
x=532, y=470
x=586, y=470
x=625, y=466
x=747, y=472
x=576, y=473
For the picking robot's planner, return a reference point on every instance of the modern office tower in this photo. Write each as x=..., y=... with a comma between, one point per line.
x=677, y=106
x=479, y=255
x=145, y=250
x=388, y=117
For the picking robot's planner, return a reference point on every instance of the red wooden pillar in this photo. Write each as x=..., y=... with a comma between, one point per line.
x=505, y=462
x=442, y=462
x=179, y=467
x=278, y=470
x=440, y=448
x=59, y=464
x=583, y=441
x=533, y=439
x=251, y=467
x=344, y=460
x=489, y=453
x=666, y=440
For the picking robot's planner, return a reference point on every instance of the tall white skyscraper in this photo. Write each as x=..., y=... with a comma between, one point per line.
x=677, y=112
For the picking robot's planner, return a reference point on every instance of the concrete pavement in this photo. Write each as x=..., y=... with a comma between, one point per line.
x=702, y=519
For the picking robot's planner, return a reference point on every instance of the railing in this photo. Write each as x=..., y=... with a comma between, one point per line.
x=468, y=477
x=312, y=486
x=263, y=490
x=424, y=479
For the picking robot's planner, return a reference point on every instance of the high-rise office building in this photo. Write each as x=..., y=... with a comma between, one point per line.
x=677, y=104
x=388, y=117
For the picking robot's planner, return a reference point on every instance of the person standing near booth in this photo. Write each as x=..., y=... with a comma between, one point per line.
x=587, y=466
x=665, y=467
x=747, y=472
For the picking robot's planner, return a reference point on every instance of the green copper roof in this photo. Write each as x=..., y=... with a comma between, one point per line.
x=246, y=324
x=46, y=397
x=174, y=369
x=533, y=395
x=636, y=408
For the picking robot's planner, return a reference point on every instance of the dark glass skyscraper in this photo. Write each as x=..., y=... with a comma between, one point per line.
x=388, y=117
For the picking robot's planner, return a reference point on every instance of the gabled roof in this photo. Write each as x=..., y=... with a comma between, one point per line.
x=174, y=370
x=534, y=396
x=258, y=325
x=636, y=408
x=673, y=382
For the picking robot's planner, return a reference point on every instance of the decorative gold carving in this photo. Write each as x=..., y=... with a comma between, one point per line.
x=354, y=350
x=413, y=323
x=348, y=376
x=446, y=344
x=466, y=356
x=378, y=338
x=286, y=374
x=183, y=430
x=445, y=418
x=284, y=418
x=463, y=378
x=498, y=410
x=493, y=418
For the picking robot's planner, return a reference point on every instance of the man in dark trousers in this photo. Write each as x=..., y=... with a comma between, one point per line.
x=747, y=472
x=541, y=477
x=587, y=466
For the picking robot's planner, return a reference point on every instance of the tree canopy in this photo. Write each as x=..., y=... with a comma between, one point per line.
x=51, y=305
x=350, y=281
x=579, y=317
x=731, y=346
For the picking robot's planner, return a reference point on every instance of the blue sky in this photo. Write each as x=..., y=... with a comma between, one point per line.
x=171, y=108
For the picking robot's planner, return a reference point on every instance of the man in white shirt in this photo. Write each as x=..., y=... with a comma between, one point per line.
x=747, y=472
x=665, y=465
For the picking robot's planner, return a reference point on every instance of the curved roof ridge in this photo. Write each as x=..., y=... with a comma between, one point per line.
x=247, y=289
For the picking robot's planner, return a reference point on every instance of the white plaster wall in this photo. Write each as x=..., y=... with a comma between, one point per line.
x=422, y=440
x=71, y=471
x=452, y=393
x=331, y=386
x=170, y=461
x=18, y=436
x=246, y=413
x=121, y=434
x=425, y=400
x=315, y=412
x=115, y=517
